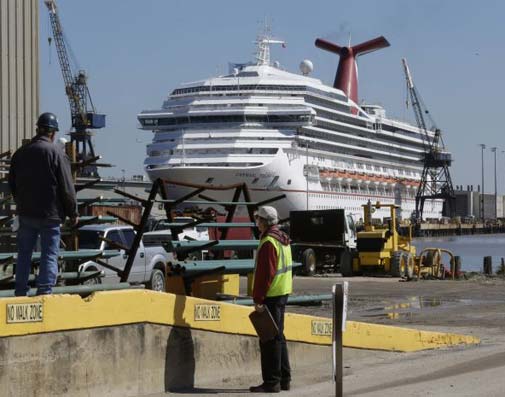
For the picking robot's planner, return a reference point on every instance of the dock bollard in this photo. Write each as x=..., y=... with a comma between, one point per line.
x=488, y=265
x=457, y=267
x=501, y=270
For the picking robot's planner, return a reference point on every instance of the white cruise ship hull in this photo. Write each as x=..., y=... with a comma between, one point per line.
x=283, y=176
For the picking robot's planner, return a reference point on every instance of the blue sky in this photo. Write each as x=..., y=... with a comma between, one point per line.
x=136, y=52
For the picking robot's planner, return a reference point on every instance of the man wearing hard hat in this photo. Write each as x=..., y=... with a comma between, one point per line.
x=271, y=286
x=41, y=183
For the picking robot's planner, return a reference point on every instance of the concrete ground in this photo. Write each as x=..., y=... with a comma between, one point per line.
x=473, y=307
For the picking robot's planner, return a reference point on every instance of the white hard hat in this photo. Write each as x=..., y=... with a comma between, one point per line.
x=268, y=213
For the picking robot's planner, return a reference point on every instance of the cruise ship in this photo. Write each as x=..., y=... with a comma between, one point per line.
x=288, y=133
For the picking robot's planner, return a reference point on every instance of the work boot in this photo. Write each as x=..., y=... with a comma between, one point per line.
x=285, y=385
x=264, y=388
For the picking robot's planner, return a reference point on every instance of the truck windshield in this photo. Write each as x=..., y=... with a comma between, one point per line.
x=350, y=222
x=90, y=239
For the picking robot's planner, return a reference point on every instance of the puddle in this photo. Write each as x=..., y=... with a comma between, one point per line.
x=409, y=308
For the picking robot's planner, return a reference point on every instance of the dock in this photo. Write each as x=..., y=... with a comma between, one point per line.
x=454, y=228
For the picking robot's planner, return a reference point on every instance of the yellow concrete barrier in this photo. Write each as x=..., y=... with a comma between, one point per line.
x=22, y=316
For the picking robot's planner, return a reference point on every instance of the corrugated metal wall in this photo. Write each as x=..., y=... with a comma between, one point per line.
x=19, y=71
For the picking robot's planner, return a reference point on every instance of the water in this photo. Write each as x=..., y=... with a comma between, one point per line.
x=410, y=307
x=471, y=249
x=404, y=309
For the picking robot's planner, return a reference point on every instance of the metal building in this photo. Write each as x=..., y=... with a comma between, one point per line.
x=19, y=71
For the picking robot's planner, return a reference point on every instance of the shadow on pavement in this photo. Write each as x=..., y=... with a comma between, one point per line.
x=199, y=390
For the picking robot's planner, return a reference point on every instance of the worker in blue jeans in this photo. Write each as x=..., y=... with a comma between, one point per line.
x=40, y=180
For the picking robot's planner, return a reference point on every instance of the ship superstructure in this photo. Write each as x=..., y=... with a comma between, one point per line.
x=283, y=132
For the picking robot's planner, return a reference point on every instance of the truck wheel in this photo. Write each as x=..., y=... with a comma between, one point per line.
x=309, y=262
x=94, y=280
x=157, y=281
x=398, y=264
x=346, y=264
x=409, y=266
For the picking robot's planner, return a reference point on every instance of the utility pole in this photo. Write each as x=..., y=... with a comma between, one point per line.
x=493, y=149
x=482, y=147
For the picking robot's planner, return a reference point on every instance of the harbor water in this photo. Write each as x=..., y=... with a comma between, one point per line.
x=471, y=249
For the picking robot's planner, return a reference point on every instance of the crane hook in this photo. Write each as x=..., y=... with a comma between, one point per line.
x=49, y=41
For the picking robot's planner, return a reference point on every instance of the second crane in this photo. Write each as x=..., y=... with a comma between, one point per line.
x=82, y=110
x=436, y=180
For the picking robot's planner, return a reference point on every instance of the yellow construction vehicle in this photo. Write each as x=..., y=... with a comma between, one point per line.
x=380, y=248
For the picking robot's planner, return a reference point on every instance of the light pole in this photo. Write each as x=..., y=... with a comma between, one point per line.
x=307, y=171
x=482, y=147
x=493, y=149
x=502, y=215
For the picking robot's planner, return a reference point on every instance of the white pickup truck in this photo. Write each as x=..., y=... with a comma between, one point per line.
x=148, y=266
x=191, y=233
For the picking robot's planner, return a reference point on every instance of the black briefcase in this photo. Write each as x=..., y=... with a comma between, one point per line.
x=264, y=325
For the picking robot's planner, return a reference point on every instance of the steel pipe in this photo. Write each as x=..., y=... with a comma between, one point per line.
x=220, y=245
x=231, y=266
x=292, y=300
x=78, y=289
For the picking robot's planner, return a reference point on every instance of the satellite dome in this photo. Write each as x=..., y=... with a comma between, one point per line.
x=306, y=67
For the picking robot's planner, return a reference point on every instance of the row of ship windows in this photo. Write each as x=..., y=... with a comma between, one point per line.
x=329, y=148
x=358, y=210
x=241, y=118
x=329, y=104
x=329, y=126
x=237, y=87
x=327, y=164
x=186, y=164
x=256, y=87
x=329, y=207
x=360, y=198
x=351, y=119
x=156, y=153
x=347, y=165
x=369, y=190
x=356, y=122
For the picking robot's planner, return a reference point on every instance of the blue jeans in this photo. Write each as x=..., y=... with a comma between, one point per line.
x=29, y=230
